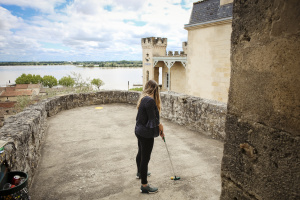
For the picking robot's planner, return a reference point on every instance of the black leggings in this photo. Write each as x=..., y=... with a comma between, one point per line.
x=143, y=156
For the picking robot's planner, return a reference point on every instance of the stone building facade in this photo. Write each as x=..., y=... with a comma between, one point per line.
x=202, y=69
x=172, y=64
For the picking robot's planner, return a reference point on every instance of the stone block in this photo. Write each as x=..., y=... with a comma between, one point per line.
x=260, y=160
x=215, y=84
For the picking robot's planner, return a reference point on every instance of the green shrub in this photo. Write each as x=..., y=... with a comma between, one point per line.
x=29, y=78
x=137, y=89
x=36, y=79
x=21, y=79
x=82, y=85
x=67, y=81
x=49, y=81
x=97, y=82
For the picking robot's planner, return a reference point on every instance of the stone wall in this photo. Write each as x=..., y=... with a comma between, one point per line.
x=261, y=150
x=202, y=115
x=25, y=131
x=6, y=108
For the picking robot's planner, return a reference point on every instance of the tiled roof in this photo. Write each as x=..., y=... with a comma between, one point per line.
x=31, y=86
x=27, y=86
x=209, y=10
x=10, y=88
x=9, y=104
x=16, y=93
x=22, y=86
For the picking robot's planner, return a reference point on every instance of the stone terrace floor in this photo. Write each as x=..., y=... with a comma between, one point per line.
x=89, y=154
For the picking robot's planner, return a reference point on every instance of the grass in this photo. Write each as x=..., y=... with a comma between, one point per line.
x=22, y=102
x=140, y=89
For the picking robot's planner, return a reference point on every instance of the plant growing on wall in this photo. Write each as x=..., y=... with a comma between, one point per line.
x=22, y=102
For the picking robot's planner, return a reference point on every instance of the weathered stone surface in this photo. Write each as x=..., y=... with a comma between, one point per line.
x=265, y=63
x=262, y=162
x=195, y=113
x=261, y=150
x=25, y=131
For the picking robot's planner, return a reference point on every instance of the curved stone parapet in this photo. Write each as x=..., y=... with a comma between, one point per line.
x=202, y=115
x=25, y=131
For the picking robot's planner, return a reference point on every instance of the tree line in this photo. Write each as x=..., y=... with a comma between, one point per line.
x=34, y=63
x=122, y=63
x=67, y=81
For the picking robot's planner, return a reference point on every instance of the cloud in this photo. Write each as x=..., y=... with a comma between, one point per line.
x=41, y=5
x=87, y=7
x=8, y=21
x=129, y=4
x=101, y=30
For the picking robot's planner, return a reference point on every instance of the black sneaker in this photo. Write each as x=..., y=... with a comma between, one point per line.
x=138, y=175
x=148, y=189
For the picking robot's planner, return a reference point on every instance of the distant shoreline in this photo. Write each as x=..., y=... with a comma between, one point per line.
x=101, y=64
x=79, y=66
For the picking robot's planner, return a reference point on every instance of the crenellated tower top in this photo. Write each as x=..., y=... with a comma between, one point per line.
x=151, y=42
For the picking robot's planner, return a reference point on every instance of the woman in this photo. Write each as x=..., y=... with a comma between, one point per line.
x=147, y=127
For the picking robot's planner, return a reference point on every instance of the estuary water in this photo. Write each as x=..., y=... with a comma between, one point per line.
x=114, y=78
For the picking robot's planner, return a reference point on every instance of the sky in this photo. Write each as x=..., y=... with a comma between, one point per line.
x=88, y=30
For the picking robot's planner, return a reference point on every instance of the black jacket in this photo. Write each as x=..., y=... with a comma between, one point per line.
x=147, y=119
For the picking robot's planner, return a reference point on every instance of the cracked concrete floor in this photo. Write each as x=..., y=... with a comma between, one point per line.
x=89, y=154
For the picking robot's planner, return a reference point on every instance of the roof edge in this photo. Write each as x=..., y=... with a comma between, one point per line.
x=208, y=23
x=200, y=1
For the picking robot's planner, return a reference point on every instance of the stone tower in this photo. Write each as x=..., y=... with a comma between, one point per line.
x=152, y=47
x=261, y=157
